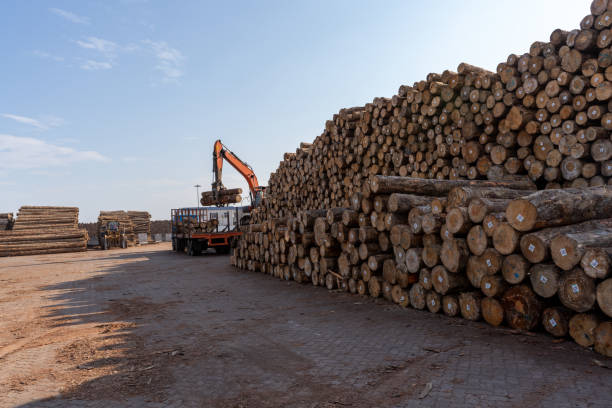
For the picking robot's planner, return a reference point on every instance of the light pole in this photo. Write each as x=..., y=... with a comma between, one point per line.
x=197, y=186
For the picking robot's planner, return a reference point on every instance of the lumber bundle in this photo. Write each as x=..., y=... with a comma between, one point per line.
x=6, y=221
x=126, y=226
x=429, y=198
x=44, y=230
x=226, y=196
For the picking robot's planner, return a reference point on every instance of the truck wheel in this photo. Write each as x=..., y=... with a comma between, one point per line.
x=174, y=244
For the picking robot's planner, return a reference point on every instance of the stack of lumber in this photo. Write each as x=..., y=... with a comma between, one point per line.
x=126, y=226
x=44, y=230
x=189, y=225
x=6, y=221
x=428, y=197
x=141, y=221
x=226, y=196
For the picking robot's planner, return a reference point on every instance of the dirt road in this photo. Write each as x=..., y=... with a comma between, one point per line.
x=147, y=327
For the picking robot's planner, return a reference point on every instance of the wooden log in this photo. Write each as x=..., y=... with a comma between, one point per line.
x=577, y=290
x=445, y=282
x=478, y=208
x=417, y=296
x=410, y=185
x=603, y=339
x=493, y=285
x=521, y=307
x=469, y=304
x=454, y=254
x=433, y=301
x=548, y=208
x=556, y=321
x=492, y=311
x=461, y=196
x=477, y=240
x=596, y=262
x=405, y=202
x=450, y=305
x=604, y=296
x=582, y=328
x=505, y=239
x=545, y=279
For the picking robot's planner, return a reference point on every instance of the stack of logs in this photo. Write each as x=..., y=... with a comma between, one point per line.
x=141, y=221
x=6, y=221
x=543, y=116
x=126, y=226
x=227, y=196
x=189, y=225
x=44, y=230
x=492, y=250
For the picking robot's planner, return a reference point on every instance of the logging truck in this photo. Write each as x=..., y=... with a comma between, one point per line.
x=194, y=230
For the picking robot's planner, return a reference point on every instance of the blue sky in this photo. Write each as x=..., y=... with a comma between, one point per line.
x=116, y=104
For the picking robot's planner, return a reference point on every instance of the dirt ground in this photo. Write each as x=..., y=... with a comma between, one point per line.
x=148, y=327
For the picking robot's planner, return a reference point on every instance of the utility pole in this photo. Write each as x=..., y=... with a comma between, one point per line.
x=197, y=186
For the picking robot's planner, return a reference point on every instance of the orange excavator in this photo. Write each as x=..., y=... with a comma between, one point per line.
x=220, y=153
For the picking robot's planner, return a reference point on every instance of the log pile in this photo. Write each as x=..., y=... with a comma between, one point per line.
x=226, y=196
x=190, y=225
x=427, y=198
x=126, y=226
x=44, y=230
x=6, y=221
x=141, y=221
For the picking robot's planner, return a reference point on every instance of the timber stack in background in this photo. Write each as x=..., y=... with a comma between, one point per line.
x=141, y=221
x=6, y=221
x=473, y=193
x=44, y=230
x=126, y=226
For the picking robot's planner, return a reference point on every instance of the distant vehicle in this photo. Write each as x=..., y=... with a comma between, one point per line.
x=113, y=237
x=194, y=230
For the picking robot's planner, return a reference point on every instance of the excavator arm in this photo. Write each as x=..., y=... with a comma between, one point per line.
x=220, y=153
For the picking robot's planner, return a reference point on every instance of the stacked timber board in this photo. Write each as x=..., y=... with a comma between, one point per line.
x=44, y=230
x=470, y=193
x=6, y=221
x=126, y=226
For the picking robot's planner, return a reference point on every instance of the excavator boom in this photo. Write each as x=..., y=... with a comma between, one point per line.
x=220, y=153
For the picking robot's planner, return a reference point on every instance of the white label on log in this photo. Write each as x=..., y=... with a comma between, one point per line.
x=487, y=285
x=449, y=306
x=489, y=263
x=402, y=299
x=424, y=280
x=520, y=218
x=563, y=252
x=416, y=226
x=575, y=288
x=467, y=307
x=440, y=279
x=490, y=224
x=594, y=263
x=531, y=247
x=433, y=302
x=553, y=323
x=543, y=279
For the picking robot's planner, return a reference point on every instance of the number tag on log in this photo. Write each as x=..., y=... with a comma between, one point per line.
x=490, y=224
x=489, y=263
x=520, y=218
x=575, y=288
x=516, y=275
x=424, y=280
x=563, y=252
x=594, y=263
x=487, y=285
x=553, y=323
x=401, y=298
x=440, y=279
x=467, y=307
x=531, y=248
x=543, y=279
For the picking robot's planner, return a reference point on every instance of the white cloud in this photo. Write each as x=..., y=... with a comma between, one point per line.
x=169, y=60
x=46, y=55
x=25, y=120
x=131, y=159
x=43, y=123
x=98, y=44
x=69, y=16
x=92, y=65
x=20, y=153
